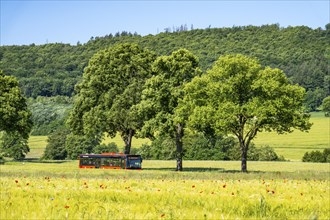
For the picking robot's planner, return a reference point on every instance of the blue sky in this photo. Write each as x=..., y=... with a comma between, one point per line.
x=25, y=22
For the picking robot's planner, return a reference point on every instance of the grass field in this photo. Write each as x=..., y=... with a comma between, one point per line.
x=292, y=146
x=206, y=190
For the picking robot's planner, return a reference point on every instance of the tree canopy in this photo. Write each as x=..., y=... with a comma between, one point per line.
x=112, y=84
x=237, y=96
x=15, y=119
x=14, y=114
x=162, y=94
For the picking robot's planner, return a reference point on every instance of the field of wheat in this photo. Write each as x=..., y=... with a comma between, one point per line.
x=206, y=190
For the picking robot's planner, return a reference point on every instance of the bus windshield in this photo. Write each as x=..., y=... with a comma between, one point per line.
x=134, y=162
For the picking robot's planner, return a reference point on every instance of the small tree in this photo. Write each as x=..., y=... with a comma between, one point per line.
x=237, y=96
x=55, y=148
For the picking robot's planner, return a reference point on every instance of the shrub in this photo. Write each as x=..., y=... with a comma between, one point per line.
x=162, y=148
x=317, y=156
x=55, y=148
x=199, y=147
x=106, y=148
x=76, y=144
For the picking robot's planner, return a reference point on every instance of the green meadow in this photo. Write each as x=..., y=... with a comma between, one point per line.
x=292, y=146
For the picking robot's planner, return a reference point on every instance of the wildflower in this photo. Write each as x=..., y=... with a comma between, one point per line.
x=66, y=206
x=232, y=194
x=224, y=186
x=16, y=181
x=273, y=191
x=193, y=186
x=162, y=215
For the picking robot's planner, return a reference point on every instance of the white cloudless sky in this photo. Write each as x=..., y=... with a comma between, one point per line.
x=25, y=22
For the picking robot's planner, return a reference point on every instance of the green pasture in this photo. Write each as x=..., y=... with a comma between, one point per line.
x=204, y=190
x=292, y=146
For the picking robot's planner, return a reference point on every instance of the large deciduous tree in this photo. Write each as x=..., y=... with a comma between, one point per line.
x=162, y=93
x=112, y=84
x=237, y=96
x=15, y=118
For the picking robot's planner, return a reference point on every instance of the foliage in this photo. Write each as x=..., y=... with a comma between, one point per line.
x=49, y=113
x=326, y=106
x=112, y=84
x=317, y=156
x=162, y=93
x=14, y=114
x=161, y=148
x=77, y=144
x=263, y=153
x=13, y=145
x=237, y=96
x=105, y=148
x=198, y=147
x=54, y=69
x=56, y=146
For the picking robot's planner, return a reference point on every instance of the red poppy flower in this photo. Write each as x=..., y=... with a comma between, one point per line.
x=66, y=206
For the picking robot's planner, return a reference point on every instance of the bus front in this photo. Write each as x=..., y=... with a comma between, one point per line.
x=134, y=162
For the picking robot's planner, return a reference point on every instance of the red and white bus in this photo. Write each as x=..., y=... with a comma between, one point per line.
x=110, y=161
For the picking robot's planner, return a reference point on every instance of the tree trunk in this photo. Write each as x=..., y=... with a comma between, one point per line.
x=179, y=148
x=127, y=137
x=244, y=159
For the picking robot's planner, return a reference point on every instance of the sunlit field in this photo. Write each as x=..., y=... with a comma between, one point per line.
x=294, y=145
x=205, y=190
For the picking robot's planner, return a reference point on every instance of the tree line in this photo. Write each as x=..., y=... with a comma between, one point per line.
x=301, y=52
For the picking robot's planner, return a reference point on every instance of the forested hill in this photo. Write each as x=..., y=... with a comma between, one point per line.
x=303, y=53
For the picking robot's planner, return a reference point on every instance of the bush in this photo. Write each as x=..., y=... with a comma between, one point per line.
x=317, y=156
x=162, y=148
x=76, y=145
x=55, y=149
x=106, y=148
x=198, y=147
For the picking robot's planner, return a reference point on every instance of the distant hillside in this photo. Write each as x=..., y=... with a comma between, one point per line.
x=303, y=53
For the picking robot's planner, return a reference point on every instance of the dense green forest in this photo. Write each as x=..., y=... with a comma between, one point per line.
x=303, y=53
x=54, y=69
